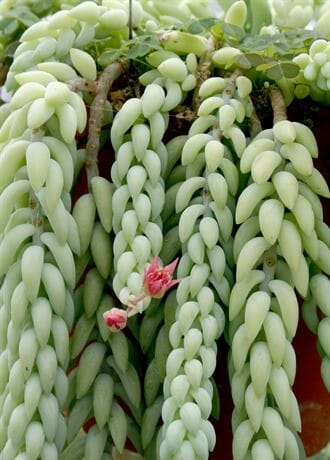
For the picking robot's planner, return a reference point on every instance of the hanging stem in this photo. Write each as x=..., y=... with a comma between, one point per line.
x=108, y=76
x=36, y=218
x=204, y=72
x=277, y=103
x=255, y=126
x=279, y=113
x=230, y=88
x=269, y=266
x=37, y=214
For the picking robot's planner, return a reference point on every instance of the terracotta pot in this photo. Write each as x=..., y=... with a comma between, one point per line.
x=313, y=398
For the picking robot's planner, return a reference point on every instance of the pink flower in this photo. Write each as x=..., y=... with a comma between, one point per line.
x=157, y=280
x=115, y=319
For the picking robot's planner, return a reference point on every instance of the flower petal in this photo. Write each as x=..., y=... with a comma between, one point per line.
x=154, y=264
x=173, y=283
x=171, y=267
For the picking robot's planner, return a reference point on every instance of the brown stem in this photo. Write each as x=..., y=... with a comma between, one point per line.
x=255, y=126
x=108, y=76
x=277, y=103
x=37, y=212
x=231, y=86
x=203, y=73
x=269, y=267
x=3, y=71
x=81, y=84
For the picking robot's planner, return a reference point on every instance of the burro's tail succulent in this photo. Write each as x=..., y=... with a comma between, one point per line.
x=149, y=209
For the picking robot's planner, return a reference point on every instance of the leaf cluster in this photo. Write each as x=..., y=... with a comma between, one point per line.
x=16, y=19
x=264, y=56
x=268, y=55
x=133, y=49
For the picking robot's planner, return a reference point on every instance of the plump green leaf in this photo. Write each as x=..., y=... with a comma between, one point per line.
x=109, y=56
x=250, y=60
x=282, y=70
x=233, y=31
x=200, y=25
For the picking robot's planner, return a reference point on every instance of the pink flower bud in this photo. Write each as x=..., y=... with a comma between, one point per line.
x=115, y=319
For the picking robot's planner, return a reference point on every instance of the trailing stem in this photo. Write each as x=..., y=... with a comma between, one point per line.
x=269, y=266
x=204, y=72
x=104, y=84
x=277, y=103
x=255, y=126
